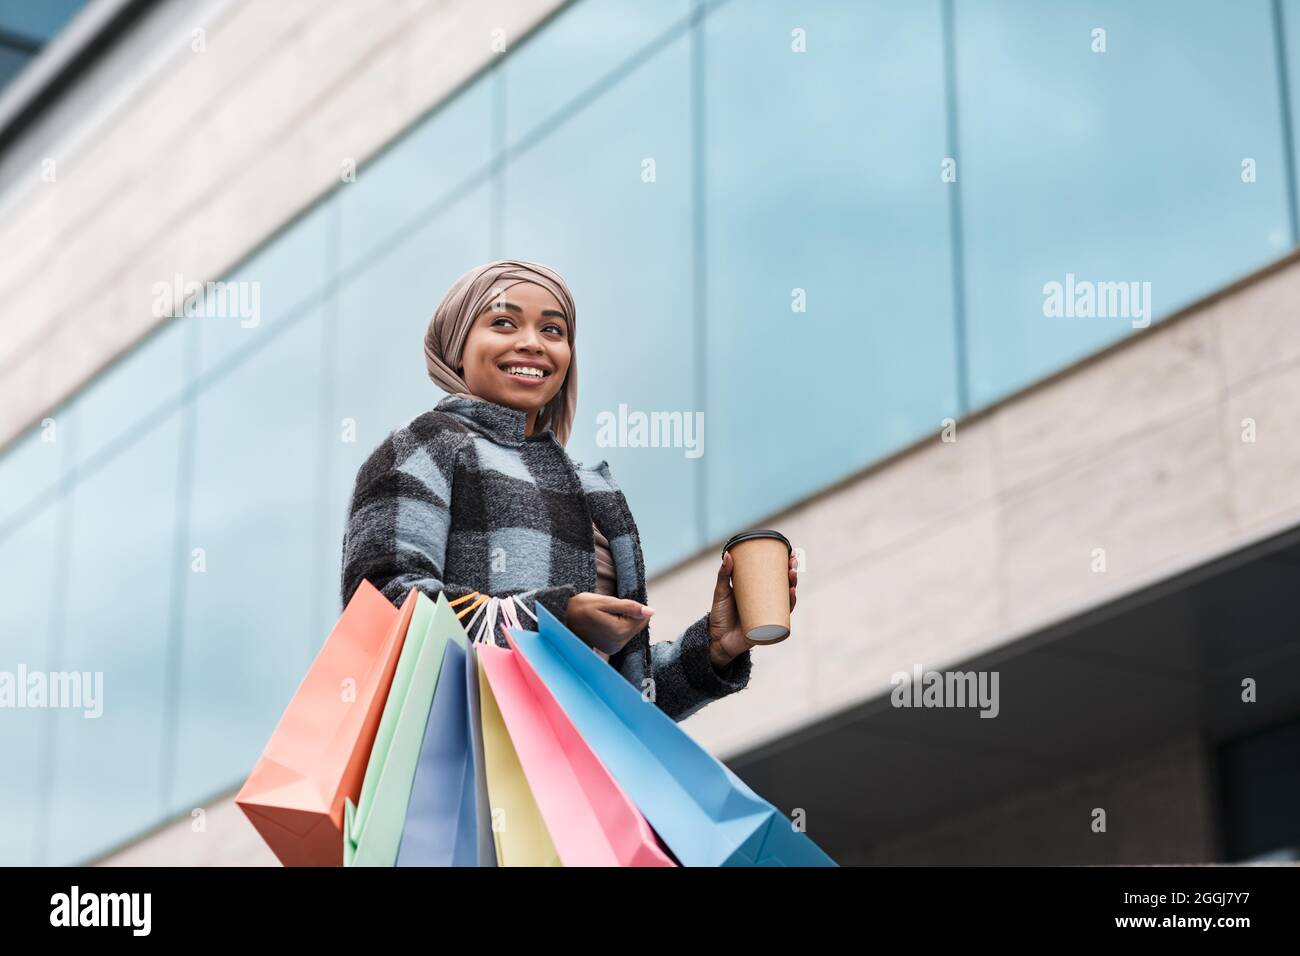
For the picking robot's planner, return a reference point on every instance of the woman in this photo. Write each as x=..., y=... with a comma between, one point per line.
x=479, y=495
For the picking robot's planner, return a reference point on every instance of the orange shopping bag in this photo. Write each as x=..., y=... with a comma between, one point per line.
x=317, y=755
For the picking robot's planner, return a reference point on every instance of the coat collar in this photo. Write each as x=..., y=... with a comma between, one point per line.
x=503, y=425
x=506, y=426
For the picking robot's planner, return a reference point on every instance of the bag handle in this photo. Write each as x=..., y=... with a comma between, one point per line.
x=509, y=616
x=461, y=600
x=481, y=622
x=488, y=610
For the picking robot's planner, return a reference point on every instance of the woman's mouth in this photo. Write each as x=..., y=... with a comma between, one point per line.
x=525, y=374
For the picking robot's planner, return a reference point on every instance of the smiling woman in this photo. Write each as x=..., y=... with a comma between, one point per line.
x=518, y=350
x=479, y=495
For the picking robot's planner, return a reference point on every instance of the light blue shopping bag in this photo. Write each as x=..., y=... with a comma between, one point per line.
x=705, y=813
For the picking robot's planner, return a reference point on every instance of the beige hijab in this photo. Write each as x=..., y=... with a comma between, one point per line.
x=444, y=342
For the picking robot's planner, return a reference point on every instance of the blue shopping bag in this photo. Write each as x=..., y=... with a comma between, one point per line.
x=705, y=813
x=448, y=819
x=433, y=831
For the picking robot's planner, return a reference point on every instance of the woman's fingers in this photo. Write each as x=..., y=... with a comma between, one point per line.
x=622, y=620
x=626, y=607
x=722, y=587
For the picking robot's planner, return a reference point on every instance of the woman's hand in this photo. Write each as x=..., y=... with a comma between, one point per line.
x=606, y=623
x=726, y=639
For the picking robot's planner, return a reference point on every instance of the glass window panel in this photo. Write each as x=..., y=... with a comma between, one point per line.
x=1122, y=166
x=273, y=288
x=27, y=597
x=248, y=617
x=106, y=784
x=1291, y=48
x=38, y=20
x=422, y=168
x=823, y=175
x=574, y=51
x=12, y=62
x=29, y=467
x=150, y=376
x=380, y=378
x=577, y=202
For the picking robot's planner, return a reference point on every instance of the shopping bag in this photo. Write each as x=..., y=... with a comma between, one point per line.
x=476, y=814
x=589, y=818
x=316, y=759
x=520, y=834
x=432, y=834
x=442, y=823
x=704, y=813
x=373, y=825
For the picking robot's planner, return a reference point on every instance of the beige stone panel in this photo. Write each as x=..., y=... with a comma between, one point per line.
x=914, y=495
x=930, y=600
x=1071, y=421
x=140, y=137
x=352, y=118
x=248, y=129
x=1258, y=326
x=1266, y=472
x=452, y=46
x=1149, y=501
x=23, y=389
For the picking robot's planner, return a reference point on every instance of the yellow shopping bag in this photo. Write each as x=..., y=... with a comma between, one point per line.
x=518, y=829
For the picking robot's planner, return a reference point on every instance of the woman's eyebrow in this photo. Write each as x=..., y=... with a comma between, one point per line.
x=546, y=313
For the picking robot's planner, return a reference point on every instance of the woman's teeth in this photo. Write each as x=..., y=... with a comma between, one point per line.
x=525, y=370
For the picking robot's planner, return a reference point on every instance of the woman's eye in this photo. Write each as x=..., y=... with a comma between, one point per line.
x=502, y=319
x=556, y=329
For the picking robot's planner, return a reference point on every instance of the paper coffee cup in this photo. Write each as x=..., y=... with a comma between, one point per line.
x=760, y=578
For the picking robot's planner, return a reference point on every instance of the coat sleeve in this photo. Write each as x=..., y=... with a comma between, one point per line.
x=682, y=676
x=399, y=522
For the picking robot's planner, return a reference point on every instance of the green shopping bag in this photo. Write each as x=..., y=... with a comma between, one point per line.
x=372, y=828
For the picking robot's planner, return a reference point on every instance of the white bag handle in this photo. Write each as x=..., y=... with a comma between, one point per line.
x=469, y=628
x=484, y=635
x=492, y=610
x=510, y=617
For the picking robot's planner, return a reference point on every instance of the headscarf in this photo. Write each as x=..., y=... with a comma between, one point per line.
x=444, y=342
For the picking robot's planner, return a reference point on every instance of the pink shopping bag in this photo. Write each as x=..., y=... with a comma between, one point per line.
x=592, y=822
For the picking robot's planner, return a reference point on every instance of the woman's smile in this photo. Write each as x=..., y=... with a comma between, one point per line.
x=525, y=372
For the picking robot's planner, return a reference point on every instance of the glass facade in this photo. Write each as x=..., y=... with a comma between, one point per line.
x=759, y=219
x=26, y=26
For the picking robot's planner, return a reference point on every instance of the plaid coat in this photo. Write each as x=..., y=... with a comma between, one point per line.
x=461, y=500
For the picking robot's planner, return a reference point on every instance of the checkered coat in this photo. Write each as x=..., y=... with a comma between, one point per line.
x=461, y=500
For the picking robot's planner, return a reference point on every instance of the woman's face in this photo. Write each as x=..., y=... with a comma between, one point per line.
x=522, y=333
